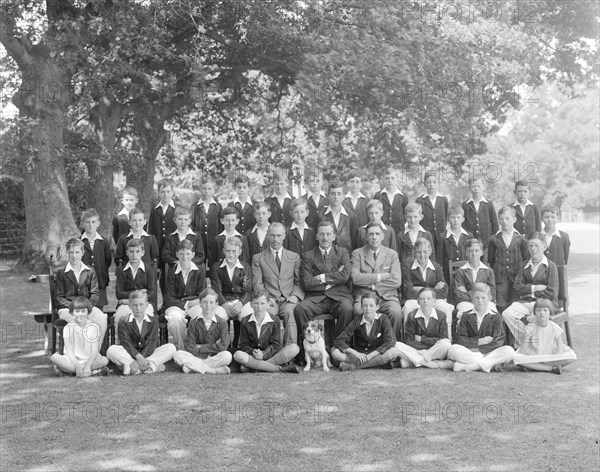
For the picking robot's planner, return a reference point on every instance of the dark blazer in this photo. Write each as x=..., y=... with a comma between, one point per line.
x=393, y=212
x=483, y=223
x=434, y=219
x=414, y=277
x=254, y=244
x=244, y=256
x=430, y=334
x=506, y=261
x=360, y=212
x=134, y=342
x=150, y=256
x=280, y=214
x=208, y=226
x=202, y=342
x=546, y=275
x=314, y=211
x=558, y=249
x=169, y=252
x=120, y=226
x=464, y=277
x=269, y=341
x=406, y=247
x=144, y=279
x=345, y=232
x=527, y=223
x=468, y=335
x=246, y=215
x=314, y=265
x=300, y=246
x=240, y=288
x=448, y=250
x=389, y=237
x=67, y=287
x=178, y=292
x=100, y=258
x=381, y=338
x=161, y=225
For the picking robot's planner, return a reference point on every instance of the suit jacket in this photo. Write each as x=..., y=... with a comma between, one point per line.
x=482, y=223
x=345, y=232
x=246, y=213
x=314, y=210
x=464, y=277
x=381, y=338
x=430, y=334
x=506, y=261
x=144, y=279
x=468, y=335
x=280, y=284
x=150, y=256
x=253, y=243
x=389, y=237
x=393, y=212
x=169, y=252
x=360, y=212
x=120, y=226
x=161, y=225
x=203, y=342
x=448, y=250
x=269, y=340
x=406, y=247
x=313, y=265
x=558, y=249
x=179, y=292
x=67, y=287
x=208, y=225
x=414, y=278
x=434, y=219
x=545, y=275
x=136, y=342
x=280, y=214
x=99, y=258
x=365, y=270
x=294, y=243
x=527, y=223
x=238, y=288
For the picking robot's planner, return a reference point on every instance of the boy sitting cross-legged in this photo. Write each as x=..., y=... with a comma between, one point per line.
x=207, y=341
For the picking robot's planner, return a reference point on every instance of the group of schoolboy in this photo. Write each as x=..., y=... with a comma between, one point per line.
x=381, y=267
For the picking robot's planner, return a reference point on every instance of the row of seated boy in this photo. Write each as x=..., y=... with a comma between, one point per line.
x=367, y=341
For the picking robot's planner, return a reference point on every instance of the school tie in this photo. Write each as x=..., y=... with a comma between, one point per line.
x=277, y=260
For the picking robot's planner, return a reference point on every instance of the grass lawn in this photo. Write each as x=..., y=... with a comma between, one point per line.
x=377, y=420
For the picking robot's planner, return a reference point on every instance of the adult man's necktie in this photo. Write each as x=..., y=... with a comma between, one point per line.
x=374, y=256
x=325, y=254
x=277, y=260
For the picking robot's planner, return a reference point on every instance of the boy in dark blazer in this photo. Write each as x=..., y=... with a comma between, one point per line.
x=206, y=221
x=393, y=200
x=480, y=215
x=243, y=204
x=300, y=236
x=435, y=207
x=96, y=253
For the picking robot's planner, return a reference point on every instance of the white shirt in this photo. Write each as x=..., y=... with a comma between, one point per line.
x=413, y=234
x=391, y=195
x=523, y=207
x=429, y=266
x=316, y=199
x=84, y=236
x=489, y=311
x=247, y=201
x=124, y=212
x=260, y=233
x=69, y=267
x=336, y=218
x=281, y=200
x=182, y=237
x=235, y=233
x=476, y=204
x=420, y=314
x=354, y=201
x=450, y=233
x=300, y=229
x=185, y=276
x=432, y=200
x=276, y=254
x=266, y=319
x=231, y=270
x=208, y=322
x=140, y=323
x=544, y=261
x=473, y=270
x=165, y=207
x=200, y=202
x=507, y=239
x=133, y=272
x=369, y=326
x=143, y=233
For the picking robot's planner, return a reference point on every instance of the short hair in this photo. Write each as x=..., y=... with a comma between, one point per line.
x=372, y=295
x=296, y=202
x=165, y=183
x=261, y=292
x=455, y=210
x=185, y=244
x=521, y=183
x=335, y=184
x=138, y=294
x=241, y=179
x=354, y=175
x=550, y=207
x=207, y=179
x=375, y=203
x=80, y=302
x=74, y=242
x=473, y=179
x=310, y=173
x=544, y=303
x=277, y=224
x=206, y=292
x=429, y=173
x=229, y=210
x=130, y=191
x=323, y=223
x=260, y=205
x=540, y=237
x=413, y=207
x=135, y=242
x=233, y=241
x=420, y=242
x=136, y=211
x=279, y=175
x=473, y=242
x=481, y=288
x=89, y=213
x=428, y=289
x=372, y=225
x=507, y=209
x=182, y=211
x=390, y=171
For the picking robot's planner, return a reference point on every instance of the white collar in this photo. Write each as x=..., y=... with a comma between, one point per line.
x=238, y=264
x=416, y=265
x=450, y=233
x=406, y=230
x=178, y=267
x=309, y=195
x=96, y=238
x=527, y=203
x=488, y=311
x=256, y=228
x=426, y=195
x=556, y=233
x=544, y=261
x=146, y=318
x=248, y=201
x=141, y=266
x=200, y=202
x=420, y=314
x=349, y=195
x=295, y=226
x=266, y=319
x=383, y=226
x=482, y=200
x=342, y=210
x=468, y=266
x=396, y=192
x=143, y=233
x=287, y=195
x=125, y=212
x=189, y=231
x=170, y=204
x=212, y=319
x=69, y=267
x=364, y=321
x=514, y=231
x=230, y=235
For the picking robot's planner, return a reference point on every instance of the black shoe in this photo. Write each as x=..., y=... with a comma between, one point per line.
x=557, y=370
x=387, y=366
x=290, y=368
x=245, y=370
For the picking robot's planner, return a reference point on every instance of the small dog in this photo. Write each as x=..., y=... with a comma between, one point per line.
x=314, y=346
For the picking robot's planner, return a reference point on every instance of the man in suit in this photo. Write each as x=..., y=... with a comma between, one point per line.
x=278, y=271
x=325, y=273
x=376, y=268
